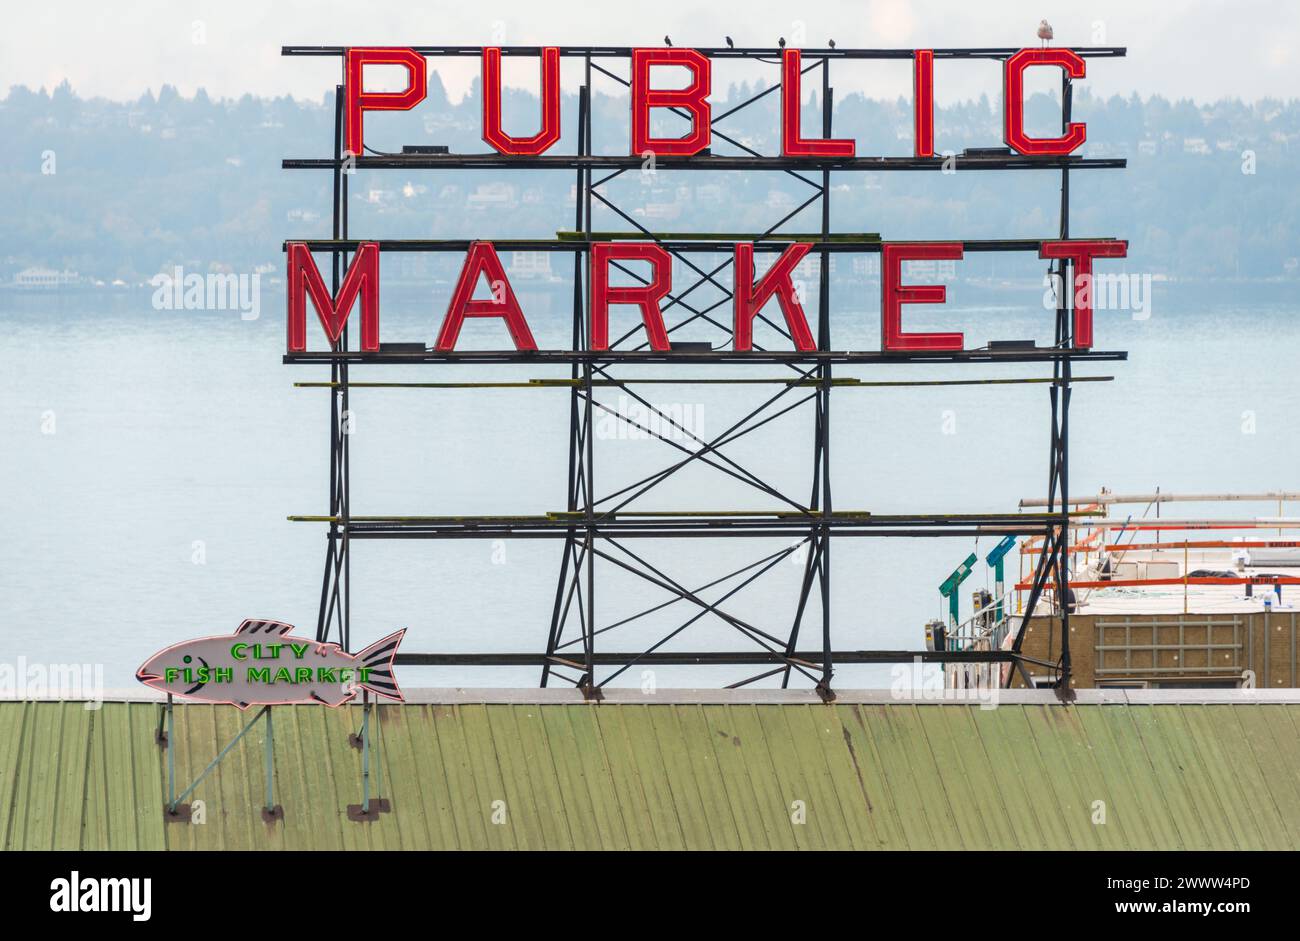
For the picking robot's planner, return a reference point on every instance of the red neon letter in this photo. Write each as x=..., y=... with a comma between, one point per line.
x=894, y=294
x=305, y=280
x=550, y=132
x=750, y=297
x=1013, y=105
x=647, y=297
x=481, y=259
x=692, y=99
x=1081, y=253
x=923, y=102
x=360, y=101
x=792, y=143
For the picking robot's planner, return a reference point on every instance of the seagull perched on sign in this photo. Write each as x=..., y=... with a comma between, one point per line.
x=1045, y=31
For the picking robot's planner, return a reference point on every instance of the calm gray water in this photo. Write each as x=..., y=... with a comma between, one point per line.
x=150, y=458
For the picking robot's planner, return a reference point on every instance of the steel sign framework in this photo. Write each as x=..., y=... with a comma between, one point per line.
x=596, y=525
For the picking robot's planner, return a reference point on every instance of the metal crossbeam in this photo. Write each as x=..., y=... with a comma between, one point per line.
x=720, y=52
x=1042, y=354
x=495, y=161
x=808, y=658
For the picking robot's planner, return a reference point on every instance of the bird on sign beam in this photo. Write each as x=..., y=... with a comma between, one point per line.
x=1045, y=31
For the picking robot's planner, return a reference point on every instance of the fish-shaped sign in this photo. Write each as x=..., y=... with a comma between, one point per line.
x=262, y=663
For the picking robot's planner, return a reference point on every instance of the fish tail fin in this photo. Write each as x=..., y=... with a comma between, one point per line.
x=378, y=661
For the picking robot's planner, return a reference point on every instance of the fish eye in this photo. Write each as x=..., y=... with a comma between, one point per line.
x=187, y=659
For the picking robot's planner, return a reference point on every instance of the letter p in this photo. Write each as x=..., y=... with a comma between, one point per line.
x=359, y=101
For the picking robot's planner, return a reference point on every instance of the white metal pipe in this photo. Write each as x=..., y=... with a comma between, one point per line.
x=1108, y=499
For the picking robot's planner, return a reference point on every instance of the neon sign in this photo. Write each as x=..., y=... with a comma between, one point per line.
x=263, y=663
x=361, y=283
x=693, y=99
x=689, y=99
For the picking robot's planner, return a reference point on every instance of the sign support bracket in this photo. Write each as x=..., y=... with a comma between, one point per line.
x=178, y=812
x=370, y=807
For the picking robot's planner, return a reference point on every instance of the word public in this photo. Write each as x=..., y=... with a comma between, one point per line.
x=692, y=101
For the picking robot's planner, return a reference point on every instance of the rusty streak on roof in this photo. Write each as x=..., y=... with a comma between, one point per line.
x=619, y=775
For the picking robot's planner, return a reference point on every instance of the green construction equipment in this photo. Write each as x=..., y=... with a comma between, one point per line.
x=995, y=558
x=950, y=585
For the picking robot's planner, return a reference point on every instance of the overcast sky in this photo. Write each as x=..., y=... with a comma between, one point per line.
x=1203, y=49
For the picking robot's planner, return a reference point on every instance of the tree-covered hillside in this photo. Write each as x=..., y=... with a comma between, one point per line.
x=120, y=191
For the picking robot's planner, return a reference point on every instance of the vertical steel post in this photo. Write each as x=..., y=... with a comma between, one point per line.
x=324, y=617
x=171, y=755
x=824, y=392
x=345, y=449
x=588, y=438
x=379, y=755
x=1065, y=313
x=270, y=761
x=558, y=610
x=365, y=753
x=335, y=596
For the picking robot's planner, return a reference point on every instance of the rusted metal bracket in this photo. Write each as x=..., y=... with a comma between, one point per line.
x=378, y=805
x=590, y=691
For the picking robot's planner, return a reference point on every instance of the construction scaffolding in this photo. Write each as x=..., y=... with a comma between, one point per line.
x=595, y=525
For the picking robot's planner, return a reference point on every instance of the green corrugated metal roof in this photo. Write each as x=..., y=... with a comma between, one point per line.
x=670, y=776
